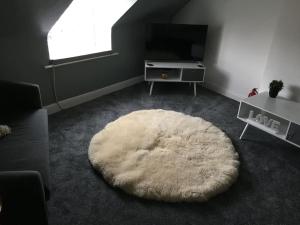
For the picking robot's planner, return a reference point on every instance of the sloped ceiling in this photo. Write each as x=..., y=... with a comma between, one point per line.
x=18, y=16
x=146, y=10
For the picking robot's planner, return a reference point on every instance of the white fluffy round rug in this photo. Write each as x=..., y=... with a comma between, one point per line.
x=165, y=155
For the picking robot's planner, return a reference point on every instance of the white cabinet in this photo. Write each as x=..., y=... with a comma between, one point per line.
x=189, y=72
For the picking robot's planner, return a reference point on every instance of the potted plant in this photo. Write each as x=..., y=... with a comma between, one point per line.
x=274, y=88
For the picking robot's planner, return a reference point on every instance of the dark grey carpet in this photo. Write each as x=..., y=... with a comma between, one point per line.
x=266, y=192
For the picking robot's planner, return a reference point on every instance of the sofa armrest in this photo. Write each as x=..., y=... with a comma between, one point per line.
x=23, y=198
x=20, y=95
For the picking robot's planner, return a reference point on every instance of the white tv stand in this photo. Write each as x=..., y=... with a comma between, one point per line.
x=285, y=112
x=163, y=71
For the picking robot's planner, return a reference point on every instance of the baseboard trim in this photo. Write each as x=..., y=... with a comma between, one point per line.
x=77, y=100
x=223, y=91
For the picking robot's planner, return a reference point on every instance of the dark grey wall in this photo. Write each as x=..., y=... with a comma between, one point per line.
x=24, y=52
x=23, y=40
x=80, y=78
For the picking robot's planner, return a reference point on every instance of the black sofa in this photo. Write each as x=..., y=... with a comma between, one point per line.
x=24, y=155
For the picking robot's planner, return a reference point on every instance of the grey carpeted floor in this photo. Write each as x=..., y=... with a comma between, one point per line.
x=266, y=192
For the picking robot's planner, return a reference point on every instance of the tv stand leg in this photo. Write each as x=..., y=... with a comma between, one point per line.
x=195, y=89
x=151, y=88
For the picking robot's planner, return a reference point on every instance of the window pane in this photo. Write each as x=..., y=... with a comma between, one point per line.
x=85, y=27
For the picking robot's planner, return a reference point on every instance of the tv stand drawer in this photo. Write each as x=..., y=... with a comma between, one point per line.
x=163, y=74
x=195, y=75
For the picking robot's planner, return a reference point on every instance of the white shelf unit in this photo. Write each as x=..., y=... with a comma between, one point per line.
x=186, y=72
x=282, y=110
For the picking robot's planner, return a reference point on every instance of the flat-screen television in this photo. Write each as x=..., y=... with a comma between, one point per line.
x=175, y=42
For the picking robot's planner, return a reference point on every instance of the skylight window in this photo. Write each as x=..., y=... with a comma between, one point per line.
x=85, y=27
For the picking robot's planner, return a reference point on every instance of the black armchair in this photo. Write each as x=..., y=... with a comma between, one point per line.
x=19, y=95
x=24, y=155
x=22, y=197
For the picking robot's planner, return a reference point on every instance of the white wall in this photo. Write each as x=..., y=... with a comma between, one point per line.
x=239, y=40
x=284, y=58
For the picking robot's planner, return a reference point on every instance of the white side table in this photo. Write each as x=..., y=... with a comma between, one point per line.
x=262, y=112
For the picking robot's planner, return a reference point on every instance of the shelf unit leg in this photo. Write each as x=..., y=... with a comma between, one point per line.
x=245, y=129
x=287, y=130
x=151, y=88
x=195, y=89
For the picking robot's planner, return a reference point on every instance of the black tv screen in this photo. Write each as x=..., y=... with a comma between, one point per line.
x=176, y=42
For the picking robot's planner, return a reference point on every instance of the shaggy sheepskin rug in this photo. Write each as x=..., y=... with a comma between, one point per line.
x=165, y=155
